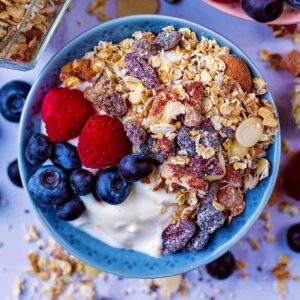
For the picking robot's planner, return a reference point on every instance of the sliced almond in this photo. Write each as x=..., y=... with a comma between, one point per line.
x=237, y=150
x=249, y=132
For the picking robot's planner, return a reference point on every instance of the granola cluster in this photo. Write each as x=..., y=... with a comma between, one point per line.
x=192, y=107
x=12, y=13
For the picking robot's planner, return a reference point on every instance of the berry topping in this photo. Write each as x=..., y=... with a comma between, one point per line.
x=65, y=112
x=291, y=177
x=12, y=99
x=233, y=177
x=223, y=267
x=138, y=68
x=209, y=218
x=212, y=191
x=113, y=104
x=111, y=188
x=204, y=167
x=167, y=40
x=14, y=173
x=38, y=149
x=81, y=182
x=293, y=237
x=136, y=134
x=198, y=241
x=48, y=185
x=135, y=167
x=103, y=142
x=65, y=156
x=263, y=11
x=176, y=236
x=71, y=210
x=208, y=136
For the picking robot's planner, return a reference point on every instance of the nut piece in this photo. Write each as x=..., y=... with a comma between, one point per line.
x=249, y=132
x=237, y=150
x=268, y=117
x=238, y=70
x=259, y=86
x=291, y=63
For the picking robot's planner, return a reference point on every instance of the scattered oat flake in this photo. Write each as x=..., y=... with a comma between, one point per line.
x=32, y=234
x=169, y=286
x=255, y=244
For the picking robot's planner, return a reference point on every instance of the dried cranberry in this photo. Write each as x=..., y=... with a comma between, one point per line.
x=138, y=68
x=135, y=133
x=167, y=40
x=205, y=166
x=209, y=218
x=291, y=177
x=185, y=141
x=211, y=192
x=209, y=136
x=144, y=48
x=233, y=177
x=198, y=241
x=113, y=104
x=176, y=236
x=166, y=149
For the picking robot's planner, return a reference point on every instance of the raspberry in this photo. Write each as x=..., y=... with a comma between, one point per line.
x=103, y=142
x=65, y=112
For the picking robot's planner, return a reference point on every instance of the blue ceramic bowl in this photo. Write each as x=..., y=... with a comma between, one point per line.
x=86, y=248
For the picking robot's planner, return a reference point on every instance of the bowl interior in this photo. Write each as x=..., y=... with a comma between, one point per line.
x=290, y=16
x=94, y=252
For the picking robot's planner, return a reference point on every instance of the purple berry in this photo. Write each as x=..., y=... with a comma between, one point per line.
x=135, y=133
x=176, y=236
x=167, y=40
x=293, y=237
x=209, y=218
x=14, y=173
x=135, y=167
x=81, y=182
x=138, y=68
x=223, y=267
x=71, y=209
x=263, y=11
x=198, y=241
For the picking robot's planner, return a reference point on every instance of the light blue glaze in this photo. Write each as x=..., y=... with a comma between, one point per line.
x=86, y=248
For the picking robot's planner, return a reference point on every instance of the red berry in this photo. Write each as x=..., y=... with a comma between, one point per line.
x=291, y=177
x=103, y=142
x=65, y=112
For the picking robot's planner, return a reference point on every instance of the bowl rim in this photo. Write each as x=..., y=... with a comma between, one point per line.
x=284, y=19
x=221, y=249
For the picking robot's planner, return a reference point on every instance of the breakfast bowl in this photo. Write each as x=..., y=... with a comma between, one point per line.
x=291, y=15
x=127, y=262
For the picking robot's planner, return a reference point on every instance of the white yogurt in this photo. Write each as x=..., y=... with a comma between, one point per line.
x=137, y=223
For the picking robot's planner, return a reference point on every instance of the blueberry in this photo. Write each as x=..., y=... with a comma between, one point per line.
x=295, y=3
x=263, y=11
x=223, y=267
x=71, y=210
x=66, y=156
x=82, y=182
x=293, y=237
x=111, y=188
x=38, y=149
x=48, y=185
x=14, y=173
x=173, y=1
x=135, y=167
x=12, y=98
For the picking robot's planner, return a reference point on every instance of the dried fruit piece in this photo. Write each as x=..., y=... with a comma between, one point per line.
x=198, y=241
x=232, y=198
x=209, y=136
x=291, y=62
x=211, y=192
x=113, y=104
x=291, y=177
x=238, y=70
x=167, y=40
x=175, y=237
x=144, y=48
x=193, y=104
x=185, y=141
x=138, y=68
x=233, y=177
x=249, y=132
x=135, y=133
x=207, y=168
x=209, y=218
